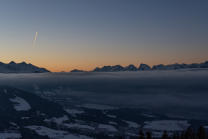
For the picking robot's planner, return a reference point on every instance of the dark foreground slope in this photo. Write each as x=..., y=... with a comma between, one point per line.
x=26, y=115
x=21, y=112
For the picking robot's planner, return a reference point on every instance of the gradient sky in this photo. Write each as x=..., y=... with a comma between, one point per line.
x=84, y=34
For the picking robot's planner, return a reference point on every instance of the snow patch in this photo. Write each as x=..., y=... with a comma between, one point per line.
x=10, y=135
x=79, y=126
x=13, y=123
x=73, y=111
x=158, y=134
x=112, y=123
x=132, y=124
x=25, y=117
x=22, y=104
x=112, y=116
x=169, y=125
x=206, y=127
x=131, y=134
x=58, y=120
x=58, y=134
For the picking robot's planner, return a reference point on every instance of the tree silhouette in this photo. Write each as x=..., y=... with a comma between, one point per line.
x=177, y=136
x=141, y=134
x=149, y=136
x=165, y=135
x=174, y=136
x=193, y=135
x=201, y=133
x=188, y=133
x=182, y=136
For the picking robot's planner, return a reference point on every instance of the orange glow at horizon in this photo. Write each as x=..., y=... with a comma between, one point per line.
x=65, y=60
x=59, y=67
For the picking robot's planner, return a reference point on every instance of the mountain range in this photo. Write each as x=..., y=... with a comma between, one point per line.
x=23, y=67
x=144, y=67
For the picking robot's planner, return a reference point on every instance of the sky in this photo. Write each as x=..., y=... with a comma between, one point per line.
x=85, y=34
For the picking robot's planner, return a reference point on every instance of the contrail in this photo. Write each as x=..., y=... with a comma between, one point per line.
x=35, y=38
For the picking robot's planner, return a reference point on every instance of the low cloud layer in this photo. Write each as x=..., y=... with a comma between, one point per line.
x=182, y=89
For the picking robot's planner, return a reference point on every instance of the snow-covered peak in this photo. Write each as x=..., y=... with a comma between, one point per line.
x=203, y=65
x=158, y=67
x=23, y=67
x=144, y=67
x=106, y=68
x=194, y=65
x=117, y=68
x=12, y=62
x=173, y=66
x=97, y=69
x=147, y=67
x=23, y=63
x=183, y=66
x=130, y=68
x=110, y=68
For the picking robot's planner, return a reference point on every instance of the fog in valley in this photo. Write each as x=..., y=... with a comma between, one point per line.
x=179, y=92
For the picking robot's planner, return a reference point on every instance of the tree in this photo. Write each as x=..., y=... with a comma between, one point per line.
x=201, y=133
x=141, y=134
x=193, y=135
x=165, y=135
x=188, y=133
x=177, y=136
x=174, y=136
x=182, y=136
x=149, y=136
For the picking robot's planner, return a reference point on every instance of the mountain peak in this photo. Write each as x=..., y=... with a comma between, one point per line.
x=23, y=63
x=144, y=67
x=131, y=67
x=12, y=62
x=76, y=70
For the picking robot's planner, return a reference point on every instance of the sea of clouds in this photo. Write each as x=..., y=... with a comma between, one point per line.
x=174, y=91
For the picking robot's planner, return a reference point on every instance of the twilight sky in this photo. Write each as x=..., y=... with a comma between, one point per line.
x=84, y=34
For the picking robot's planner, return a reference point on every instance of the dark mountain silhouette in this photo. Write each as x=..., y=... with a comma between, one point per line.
x=23, y=67
x=145, y=67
